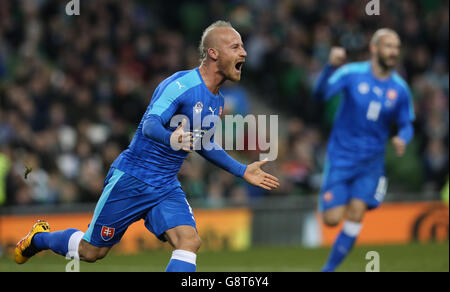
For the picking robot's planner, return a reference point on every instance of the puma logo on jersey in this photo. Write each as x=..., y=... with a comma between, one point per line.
x=179, y=85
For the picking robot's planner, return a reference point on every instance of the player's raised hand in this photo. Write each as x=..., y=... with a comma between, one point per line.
x=256, y=176
x=181, y=140
x=399, y=145
x=337, y=56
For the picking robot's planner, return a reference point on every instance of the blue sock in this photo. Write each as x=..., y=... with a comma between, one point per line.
x=182, y=261
x=57, y=241
x=342, y=246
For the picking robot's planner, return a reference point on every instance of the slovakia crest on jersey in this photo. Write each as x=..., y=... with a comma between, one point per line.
x=363, y=88
x=392, y=94
x=328, y=196
x=107, y=233
x=198, y=107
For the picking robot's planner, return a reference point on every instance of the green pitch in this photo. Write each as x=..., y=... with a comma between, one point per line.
x=413, y=257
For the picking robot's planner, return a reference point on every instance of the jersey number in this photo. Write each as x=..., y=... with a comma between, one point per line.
x=374, y=111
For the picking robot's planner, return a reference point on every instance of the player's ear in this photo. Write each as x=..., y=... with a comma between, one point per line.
x=213, y=53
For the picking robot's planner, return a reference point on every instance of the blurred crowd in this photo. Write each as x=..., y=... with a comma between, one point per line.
x=73, y=88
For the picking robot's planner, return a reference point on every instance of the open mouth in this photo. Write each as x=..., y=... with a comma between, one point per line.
x=238, y=66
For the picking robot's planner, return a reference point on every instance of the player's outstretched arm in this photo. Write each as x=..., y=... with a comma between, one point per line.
x=256, y=176
x=219, y=157
x=336, y=59
x=252, y=173
x=178, y=139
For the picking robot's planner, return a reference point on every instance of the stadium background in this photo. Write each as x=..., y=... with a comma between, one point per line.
x=74, y=88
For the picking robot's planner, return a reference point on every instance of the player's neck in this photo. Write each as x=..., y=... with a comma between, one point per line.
x=379, y=71
x=212, y=78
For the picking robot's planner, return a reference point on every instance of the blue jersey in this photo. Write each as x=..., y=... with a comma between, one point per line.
x=368, y=108
x=183, y=93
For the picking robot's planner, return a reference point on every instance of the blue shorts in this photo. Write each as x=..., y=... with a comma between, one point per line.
x=126, y=200
x=340, y=185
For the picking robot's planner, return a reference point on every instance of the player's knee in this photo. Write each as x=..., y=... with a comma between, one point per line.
x=355, y=212
x=89, y=257
x=197, y=242
x=355, y=216
x=92, y=256
x=332, y=219
x=331, y=222
x=90, y=253
x=191, y=243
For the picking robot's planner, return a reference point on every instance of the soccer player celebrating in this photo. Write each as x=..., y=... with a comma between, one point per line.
x=142, y=182
x=374, y=96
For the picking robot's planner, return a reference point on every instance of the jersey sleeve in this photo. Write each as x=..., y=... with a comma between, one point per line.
x=167, y=102
x=153, y=128
x=321, y=83
x=337, y=82
x=219, y=157
x=330, y=82
x=406, y=116
x=215, y=154
x=163, y=106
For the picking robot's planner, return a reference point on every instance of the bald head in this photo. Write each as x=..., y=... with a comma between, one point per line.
x=211, y=36
x=221, y=48
x=381, y=33
x=385, y=48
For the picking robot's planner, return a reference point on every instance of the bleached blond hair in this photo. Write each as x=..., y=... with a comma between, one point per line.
x=203, y=49
x=380, y=33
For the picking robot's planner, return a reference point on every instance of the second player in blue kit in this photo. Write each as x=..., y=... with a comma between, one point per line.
x=374, y=97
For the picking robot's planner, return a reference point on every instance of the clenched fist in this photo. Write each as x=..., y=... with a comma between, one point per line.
x=337, y=56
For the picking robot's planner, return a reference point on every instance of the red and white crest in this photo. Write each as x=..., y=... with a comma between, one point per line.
x=328, y=196
x=107, y=233
x=392, y=94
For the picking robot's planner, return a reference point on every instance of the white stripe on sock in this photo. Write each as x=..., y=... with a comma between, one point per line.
x=184, y=255
x=73, y=244
x=352, y=228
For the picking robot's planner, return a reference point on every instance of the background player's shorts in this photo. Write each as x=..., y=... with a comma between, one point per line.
x=340, y=185
x=126, y=199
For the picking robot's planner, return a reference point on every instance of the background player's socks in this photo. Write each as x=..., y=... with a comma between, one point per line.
x=182, y=261
x=61, y=242
x=342, y=245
